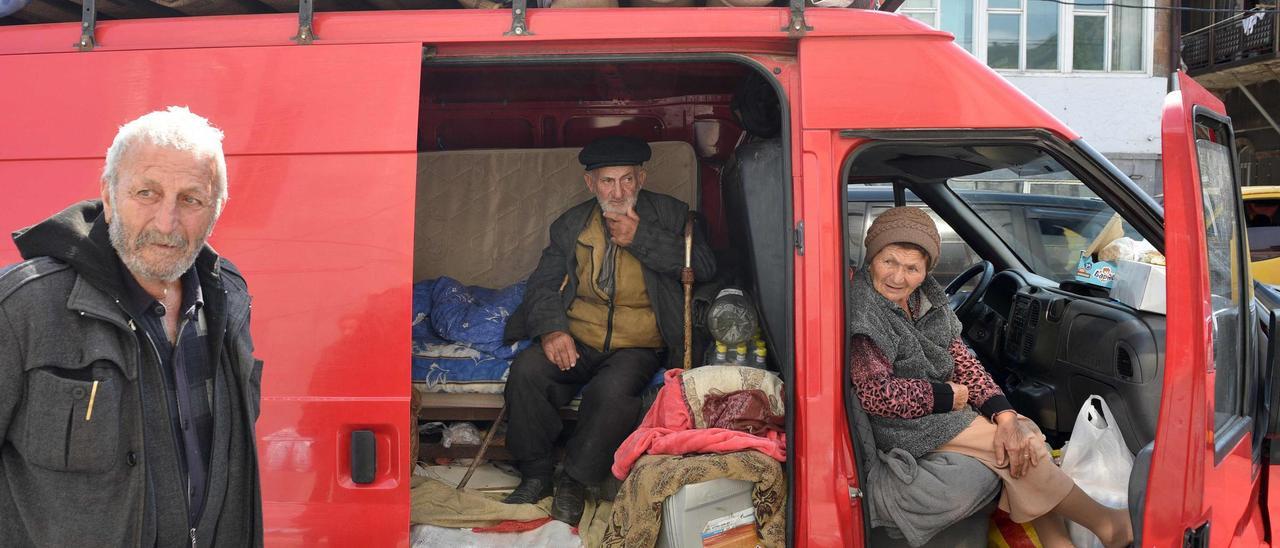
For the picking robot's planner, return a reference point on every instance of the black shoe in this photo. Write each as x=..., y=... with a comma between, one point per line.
x=530, y=491
x=571, y=499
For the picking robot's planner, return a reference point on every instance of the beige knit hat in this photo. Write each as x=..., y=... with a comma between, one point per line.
x=904, y=225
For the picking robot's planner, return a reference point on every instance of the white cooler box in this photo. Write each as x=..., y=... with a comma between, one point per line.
x=716, y=513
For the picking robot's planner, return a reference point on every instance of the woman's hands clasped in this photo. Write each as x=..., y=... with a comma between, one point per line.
x=1016, y=445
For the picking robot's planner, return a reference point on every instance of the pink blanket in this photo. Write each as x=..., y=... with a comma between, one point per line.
x=668, y=430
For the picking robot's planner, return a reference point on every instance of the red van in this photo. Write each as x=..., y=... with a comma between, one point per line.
x=327, y=136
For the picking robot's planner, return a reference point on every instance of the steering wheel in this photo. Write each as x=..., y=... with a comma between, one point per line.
x=962, y=304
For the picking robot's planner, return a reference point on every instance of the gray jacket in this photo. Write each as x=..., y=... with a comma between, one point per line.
x=658, y=244
x=112, y=478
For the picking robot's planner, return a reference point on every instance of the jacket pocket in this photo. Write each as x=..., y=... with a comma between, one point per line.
x=71, y=427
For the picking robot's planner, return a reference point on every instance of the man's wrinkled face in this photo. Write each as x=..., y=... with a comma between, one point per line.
x=162, y=210
x=616, y=187
x=896, y=271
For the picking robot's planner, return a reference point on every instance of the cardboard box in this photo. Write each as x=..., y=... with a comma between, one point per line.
x=1141, y=286
x=1099, y=273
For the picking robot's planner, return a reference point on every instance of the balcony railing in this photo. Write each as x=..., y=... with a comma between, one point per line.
x=1242, y=39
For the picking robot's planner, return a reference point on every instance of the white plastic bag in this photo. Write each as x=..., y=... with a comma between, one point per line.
x=1099, y=462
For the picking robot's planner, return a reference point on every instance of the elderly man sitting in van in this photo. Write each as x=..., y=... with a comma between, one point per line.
x=605, y=305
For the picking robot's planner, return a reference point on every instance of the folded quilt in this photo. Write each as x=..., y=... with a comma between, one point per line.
x=457, y=335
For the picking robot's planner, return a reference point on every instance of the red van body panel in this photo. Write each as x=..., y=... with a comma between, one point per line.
x=330, y=277
x=321, y=144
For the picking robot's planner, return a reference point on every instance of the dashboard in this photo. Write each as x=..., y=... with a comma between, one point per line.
x=1051, y=349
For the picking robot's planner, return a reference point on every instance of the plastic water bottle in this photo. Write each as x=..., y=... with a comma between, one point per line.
x=740, y=354
x=762, y=359
x=721, y=350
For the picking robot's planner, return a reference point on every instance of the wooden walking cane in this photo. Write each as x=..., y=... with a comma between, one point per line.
x=686, y=278
x=484, y=446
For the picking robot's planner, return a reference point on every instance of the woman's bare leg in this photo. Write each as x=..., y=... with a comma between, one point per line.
x=1052, y=532
x=1111, y=525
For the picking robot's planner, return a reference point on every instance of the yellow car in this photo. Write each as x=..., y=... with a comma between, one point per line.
x=1262, y=217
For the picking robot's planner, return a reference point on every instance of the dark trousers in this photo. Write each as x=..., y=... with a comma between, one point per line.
x=610, y=410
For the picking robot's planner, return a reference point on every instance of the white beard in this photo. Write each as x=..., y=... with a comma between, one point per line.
x=627, y=205
x=128, y=251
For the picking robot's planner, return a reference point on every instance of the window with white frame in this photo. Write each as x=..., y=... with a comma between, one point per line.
x=1106, y=37
x=1022, y=34
x=954, y=16
x=1042, y=35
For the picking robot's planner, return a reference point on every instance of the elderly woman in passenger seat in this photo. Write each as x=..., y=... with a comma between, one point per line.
x=924, y=391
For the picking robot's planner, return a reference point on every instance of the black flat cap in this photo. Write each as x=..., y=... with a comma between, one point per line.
x=614, y=151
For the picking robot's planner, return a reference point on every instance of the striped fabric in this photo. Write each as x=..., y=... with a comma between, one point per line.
x=1004, y=533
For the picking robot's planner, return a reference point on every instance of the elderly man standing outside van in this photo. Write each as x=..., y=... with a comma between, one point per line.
x=128, y=387
x=605, y=305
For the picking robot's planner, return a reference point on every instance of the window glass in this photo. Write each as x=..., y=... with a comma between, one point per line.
x=957, y=18
x=856, y=224
x=1262, y=217
x=1057, y=216
x=918, y=4
x=1042, y=35
x=1037, y=207
x=1004, y=4
x=1090, y=40
x=924, y=17
x=1002, y=40
x=1226, y=283
x=1126, y=38
x=956, y=255
x=1062, y=233
x=1090, y=5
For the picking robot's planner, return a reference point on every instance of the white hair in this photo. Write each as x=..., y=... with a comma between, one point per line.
x=177, y=128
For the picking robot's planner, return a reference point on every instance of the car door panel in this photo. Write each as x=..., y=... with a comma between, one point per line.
x=1201, y=483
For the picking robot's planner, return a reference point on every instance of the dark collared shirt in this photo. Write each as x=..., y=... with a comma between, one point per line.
x=188, y=377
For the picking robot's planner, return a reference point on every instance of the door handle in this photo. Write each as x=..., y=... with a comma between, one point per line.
x=364, y=457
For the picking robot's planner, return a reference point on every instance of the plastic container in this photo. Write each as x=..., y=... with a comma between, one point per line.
x=732, y=317
x=761, y=360
x=716, y=513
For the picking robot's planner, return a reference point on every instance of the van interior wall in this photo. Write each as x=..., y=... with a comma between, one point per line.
x=569, y=105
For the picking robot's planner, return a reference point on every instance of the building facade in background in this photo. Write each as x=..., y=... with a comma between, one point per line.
x=1235, y=53
x=1102, y=69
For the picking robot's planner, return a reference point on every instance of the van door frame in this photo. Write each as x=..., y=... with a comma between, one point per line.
x=1197, y=474
x=1102, y=177
x=782, y=77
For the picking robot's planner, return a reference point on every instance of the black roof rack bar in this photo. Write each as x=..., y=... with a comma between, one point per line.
x=88, y=23
x=519, y=21
x=796, y=27
x=306, y=15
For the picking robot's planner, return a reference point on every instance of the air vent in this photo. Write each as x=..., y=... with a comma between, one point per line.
x=1124, y=363
x=1033, y=321
x=1017, y=320
x=1055, y=309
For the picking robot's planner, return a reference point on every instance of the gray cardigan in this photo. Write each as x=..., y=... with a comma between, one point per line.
x=918, y=349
